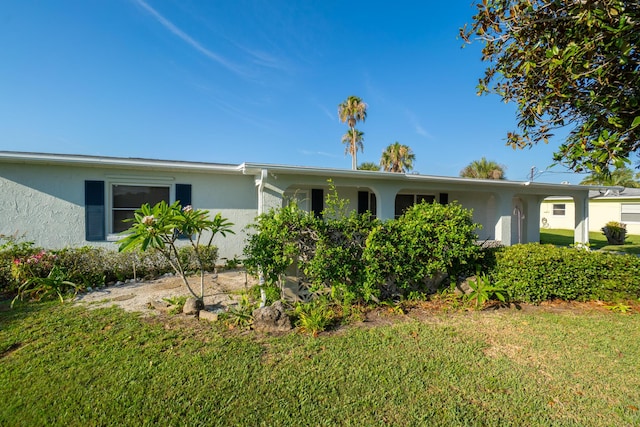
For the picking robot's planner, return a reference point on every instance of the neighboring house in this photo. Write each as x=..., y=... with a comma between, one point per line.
x=605, y=204
x=59, y=200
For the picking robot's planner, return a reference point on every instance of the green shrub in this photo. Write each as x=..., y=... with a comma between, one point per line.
x=11, y=248
x=279, y=238
x=535, y=272
x=338, y=261
x=428, y=241
x=208, y=256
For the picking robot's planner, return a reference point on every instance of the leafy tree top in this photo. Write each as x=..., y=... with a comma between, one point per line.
x=368, y=166
x=623, y=177
x=483, y=169
x=352, y=110
x=397, y=158
x=566, y=63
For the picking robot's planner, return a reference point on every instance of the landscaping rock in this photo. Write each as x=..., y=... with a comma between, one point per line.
x=192, y=306
x=271, y=319
x=462, y=287
x=208, y=315
x=161, y=306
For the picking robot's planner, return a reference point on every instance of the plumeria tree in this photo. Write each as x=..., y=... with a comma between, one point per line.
x=160, y=227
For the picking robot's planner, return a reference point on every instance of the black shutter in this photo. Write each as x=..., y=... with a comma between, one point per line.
x=183, y=194
x=444, y=198
x=363, y=201
x=317, y=201
x=94, y=215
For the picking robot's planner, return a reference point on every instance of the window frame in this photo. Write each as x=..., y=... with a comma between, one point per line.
x=556, y=211
x=636, y=207
x=109, y=202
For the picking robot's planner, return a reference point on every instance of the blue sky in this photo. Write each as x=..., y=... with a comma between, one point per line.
x=230, y=81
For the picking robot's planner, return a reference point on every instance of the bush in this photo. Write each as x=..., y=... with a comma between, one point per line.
x=535, y=272
x=338, y=259
x=88, y=266
x=12, y=248
x=280, y=238
x=208, y=256
x=428, y=241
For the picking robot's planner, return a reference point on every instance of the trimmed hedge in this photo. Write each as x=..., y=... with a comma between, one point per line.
x=534, y=273
x=90, y=266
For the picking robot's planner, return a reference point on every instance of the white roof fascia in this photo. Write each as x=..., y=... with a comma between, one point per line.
x=119, y=162
x=562, y=189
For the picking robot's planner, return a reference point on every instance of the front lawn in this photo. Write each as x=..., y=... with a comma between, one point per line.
x=596, y=239
x=65, y=365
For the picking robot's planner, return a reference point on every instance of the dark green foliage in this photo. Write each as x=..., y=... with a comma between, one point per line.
x=534, y=273
x=428, y=240
x=567, y=64
x=281, y=237
x=11, y=248
x=357, y=256
x=338, y=261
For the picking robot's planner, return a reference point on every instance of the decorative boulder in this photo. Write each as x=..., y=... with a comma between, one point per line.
x=271, y=319
x=192, y=306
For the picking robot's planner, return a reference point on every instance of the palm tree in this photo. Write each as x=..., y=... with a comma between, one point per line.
x=352, y=111
x=368, y=166
x=483, y=169
x=622, y=177
x=353, y=139
x=397, y=158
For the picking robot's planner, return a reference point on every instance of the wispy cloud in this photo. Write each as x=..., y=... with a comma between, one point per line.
x=416, y=124
x=189, y=40
x=318, y=153
x=332, y=116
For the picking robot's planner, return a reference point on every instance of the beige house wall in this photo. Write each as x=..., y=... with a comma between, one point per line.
x=601, y=211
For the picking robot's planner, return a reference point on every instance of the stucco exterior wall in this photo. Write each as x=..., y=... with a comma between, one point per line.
x=46, y=202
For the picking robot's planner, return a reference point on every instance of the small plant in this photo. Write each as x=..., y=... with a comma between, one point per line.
x=615, y=232
x=482, y=291
x=232, y=264
x=240, y=316
x=314, y=316
x=394, y=308
x=619, y=308
x=39, y=288
x=177, y=302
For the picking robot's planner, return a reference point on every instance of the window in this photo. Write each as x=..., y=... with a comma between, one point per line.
x=405, y=201
x=125, y=199
x=367, y=202
x=105, y=209
x=559, y=209
x=630, y=212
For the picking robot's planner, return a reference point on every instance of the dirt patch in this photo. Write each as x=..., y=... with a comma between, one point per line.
x=220, y=290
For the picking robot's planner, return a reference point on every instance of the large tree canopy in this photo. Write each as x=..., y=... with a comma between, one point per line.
x=623, y=177
x=573, y=63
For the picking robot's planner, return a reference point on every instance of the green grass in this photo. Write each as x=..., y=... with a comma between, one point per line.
x=64, y=365
x=596, y=239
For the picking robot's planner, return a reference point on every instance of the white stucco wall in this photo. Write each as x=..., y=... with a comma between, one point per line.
x=46, y=202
